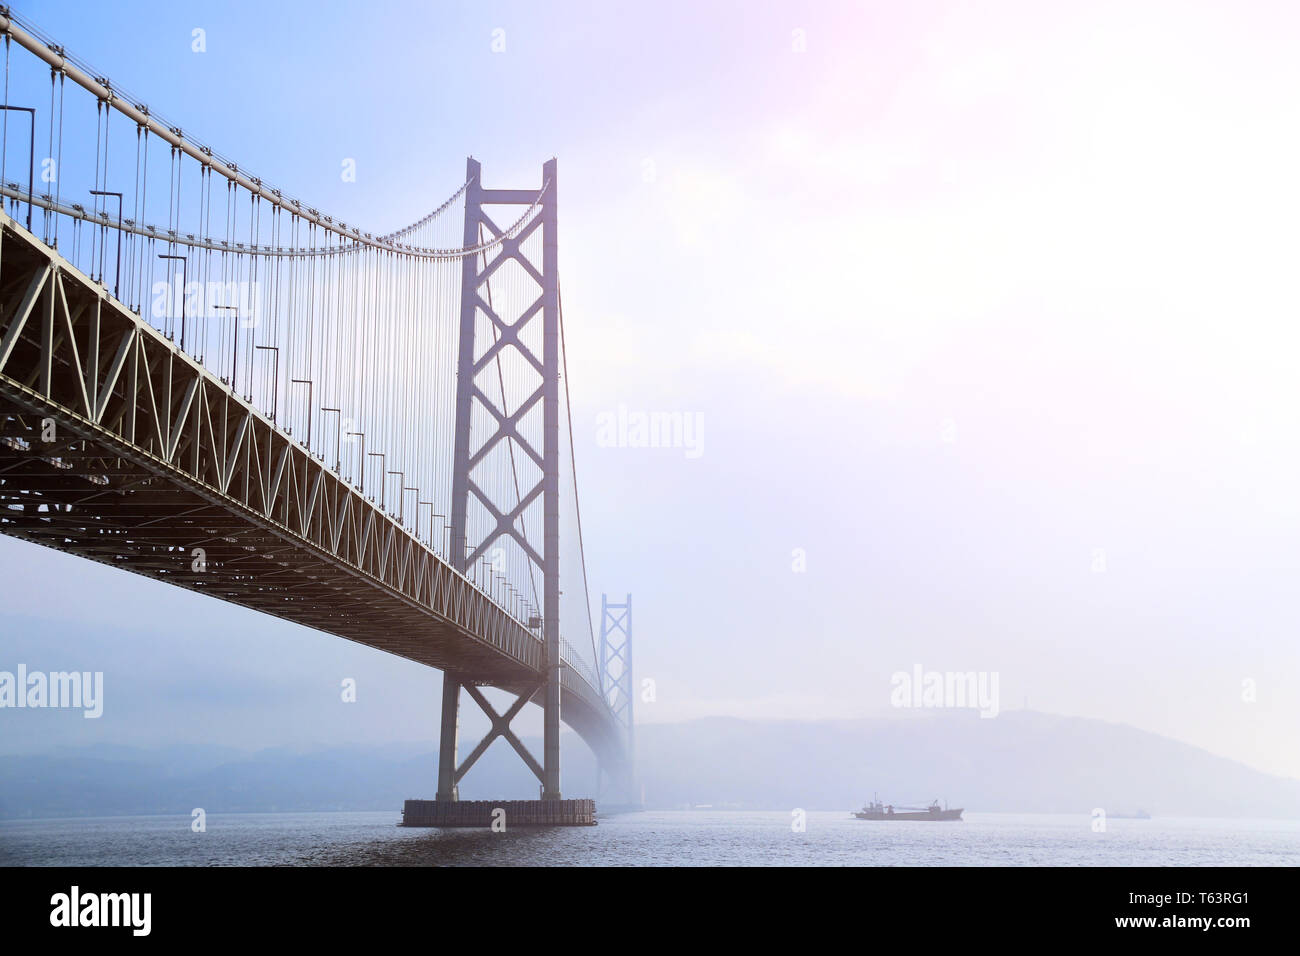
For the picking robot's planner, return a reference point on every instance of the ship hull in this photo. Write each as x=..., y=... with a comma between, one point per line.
x=919, y=815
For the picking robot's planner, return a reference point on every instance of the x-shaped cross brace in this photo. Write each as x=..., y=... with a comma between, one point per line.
x=501, y=728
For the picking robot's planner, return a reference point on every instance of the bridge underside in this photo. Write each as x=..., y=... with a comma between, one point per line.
x=117, y=447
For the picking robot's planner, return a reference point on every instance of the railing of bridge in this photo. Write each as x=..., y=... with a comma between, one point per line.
x=344, y=339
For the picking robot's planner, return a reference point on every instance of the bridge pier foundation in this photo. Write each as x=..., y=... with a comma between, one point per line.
x=500, y=815
x=448, y=810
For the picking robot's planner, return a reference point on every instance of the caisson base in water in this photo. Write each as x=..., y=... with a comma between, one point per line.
x=499, y=814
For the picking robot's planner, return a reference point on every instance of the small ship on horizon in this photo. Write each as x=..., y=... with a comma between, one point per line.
x=875, y=810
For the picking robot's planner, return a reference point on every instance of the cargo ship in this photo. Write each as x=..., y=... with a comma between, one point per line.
x=875, y=810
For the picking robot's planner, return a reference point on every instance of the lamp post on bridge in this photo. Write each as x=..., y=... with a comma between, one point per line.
x=275, y=380
x=31, y=156
x=401, y=496
x=234, y=353
x=383, y=457
x=406, y=488
x=311, y=388
x=185, y=271
x=432, y=514
x=117, y=269
x=338, y=437
x=362, y=486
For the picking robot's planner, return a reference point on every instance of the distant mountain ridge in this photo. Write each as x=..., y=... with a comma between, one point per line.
x=1020, y=761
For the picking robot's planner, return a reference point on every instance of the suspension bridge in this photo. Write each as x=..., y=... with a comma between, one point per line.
x=208, y=382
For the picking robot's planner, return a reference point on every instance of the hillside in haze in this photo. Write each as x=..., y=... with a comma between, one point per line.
x=1020, y=761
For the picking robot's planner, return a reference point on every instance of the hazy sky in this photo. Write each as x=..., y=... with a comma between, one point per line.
x=989, y=308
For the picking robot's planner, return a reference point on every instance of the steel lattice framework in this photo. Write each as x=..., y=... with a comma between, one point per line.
x=506, y=428
x=616, y=659
x=617, y=682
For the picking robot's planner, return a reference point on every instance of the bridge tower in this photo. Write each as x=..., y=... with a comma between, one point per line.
x=616, y=681
x=467, y=544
